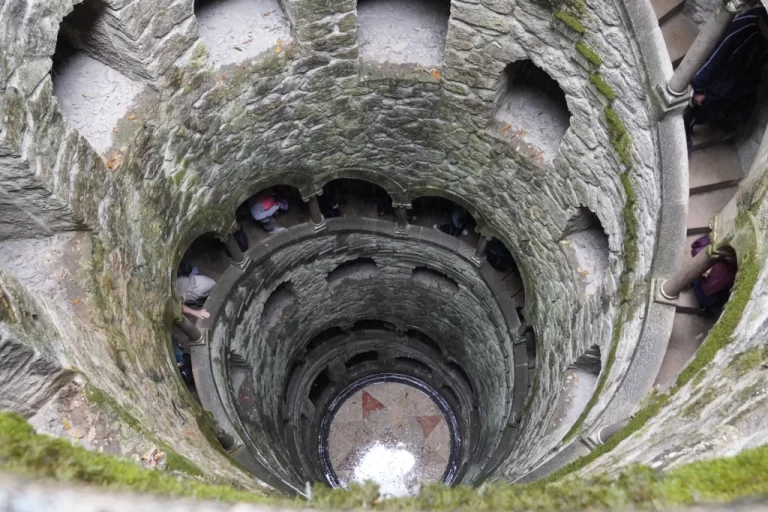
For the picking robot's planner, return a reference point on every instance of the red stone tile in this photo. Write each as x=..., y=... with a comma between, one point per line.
x=428, y=423
x=370, y=404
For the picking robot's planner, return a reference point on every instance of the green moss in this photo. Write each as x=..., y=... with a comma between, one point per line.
x=630, y=222
x=6, y=311
x=176, y=462
x=748, y=360
x=601, y=85
x=200, y=50
x=694, y=408
x=102, y=401
x=588, y=54
x=569, y=20
x=718, y=480
x=620, y=139
x=178, y=178
x=636, y=423
x=711, y=481
x=721, y=334
x=29, y=454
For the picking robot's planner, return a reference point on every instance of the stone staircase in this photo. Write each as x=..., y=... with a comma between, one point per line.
x=714, y=173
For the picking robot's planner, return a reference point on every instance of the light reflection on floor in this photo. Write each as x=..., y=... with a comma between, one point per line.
x=392, y=434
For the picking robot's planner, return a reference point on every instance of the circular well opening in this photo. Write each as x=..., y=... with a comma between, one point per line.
x=391, y=429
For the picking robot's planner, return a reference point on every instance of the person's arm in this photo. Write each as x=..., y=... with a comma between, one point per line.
x=199, y=313
x=738, y=32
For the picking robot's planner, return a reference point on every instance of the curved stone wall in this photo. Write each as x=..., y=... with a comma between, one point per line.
x=467, y=321
x=201, y=140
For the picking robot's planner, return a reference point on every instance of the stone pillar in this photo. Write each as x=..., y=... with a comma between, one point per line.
x=401, y=218
x=605, y=433
x=318, y=222
x=226, y=441
x=671, y=288
x=238, y=258
x=702, y=47
x=190, y=330
x=675, y=94
x=482, y=245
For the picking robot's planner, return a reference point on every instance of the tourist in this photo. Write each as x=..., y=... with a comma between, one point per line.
x=264, y=208
x=713, y=288
x=194, y=290
x=458, y=221
x=725, y=88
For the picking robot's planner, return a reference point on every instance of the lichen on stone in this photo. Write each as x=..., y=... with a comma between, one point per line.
x=600, y=84
x=589, y=54
x=620, y=139
x=26, y=453
x=570, y=21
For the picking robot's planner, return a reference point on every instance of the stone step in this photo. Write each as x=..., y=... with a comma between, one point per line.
x=702, y=207
x=665, y=9
x=713, y=168
x=679, y=33
x=687, y=304
x=688, y=332
x=708, y=135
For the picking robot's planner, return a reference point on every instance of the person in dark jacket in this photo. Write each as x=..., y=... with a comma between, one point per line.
x=725, y=88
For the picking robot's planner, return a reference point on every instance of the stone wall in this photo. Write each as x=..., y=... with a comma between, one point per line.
x=468, y=323
x=699, y=11
x=302, y=114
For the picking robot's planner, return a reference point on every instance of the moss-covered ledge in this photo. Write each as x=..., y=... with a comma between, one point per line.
x=715, y=481
x=25, y=453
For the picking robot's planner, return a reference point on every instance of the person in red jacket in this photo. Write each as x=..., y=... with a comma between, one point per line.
x=713, y=288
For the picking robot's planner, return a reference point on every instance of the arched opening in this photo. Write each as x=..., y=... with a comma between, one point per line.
x=92, y=94
x=268, y=212
x=459, y=371
x=321, y=383
x=355, y=198
x=435, y=280
x=577, y=387
x=241, y=379
x=585, y=244
x=278, y=308
x=359, y=269
x=201, y=266
x=322, y=337
x=531, y=105
x=403, y=31
x=237, y=30
x=446, y=216
x=362, y=357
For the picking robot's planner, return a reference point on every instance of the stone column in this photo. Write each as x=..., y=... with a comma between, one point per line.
x=318, y=222
x=670, y=288
x=482, y=245
x=238, y=258
x=675, y=94
x=401, y=218
x=702, y=47
x=226, y=441
x=190, y=330
x=607, y=432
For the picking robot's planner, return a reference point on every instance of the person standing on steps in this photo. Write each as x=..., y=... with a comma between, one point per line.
x=457, y=224
x=725, y=88
x=264, y=208
x=194, y=289
x=713, y=288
